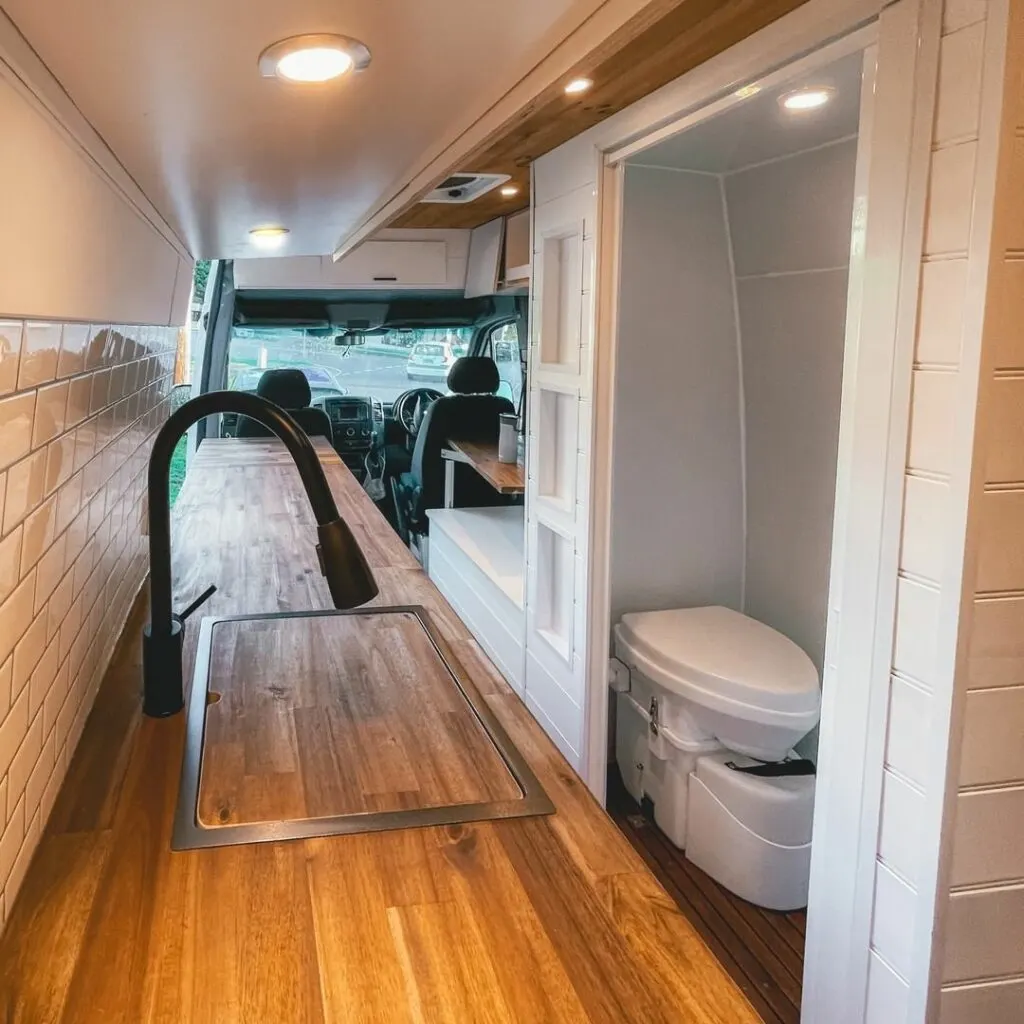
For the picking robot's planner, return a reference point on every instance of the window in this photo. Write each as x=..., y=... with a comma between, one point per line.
x=383, y=366
x=502, y=346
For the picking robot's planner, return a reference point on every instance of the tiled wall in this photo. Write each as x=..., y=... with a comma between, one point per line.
x=983, y=971
x=79, y=404
x=931, y=556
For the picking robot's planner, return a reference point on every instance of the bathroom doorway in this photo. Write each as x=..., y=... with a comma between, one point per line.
x=738, y=272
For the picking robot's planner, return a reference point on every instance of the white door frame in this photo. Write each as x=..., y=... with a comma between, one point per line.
x=893, y=163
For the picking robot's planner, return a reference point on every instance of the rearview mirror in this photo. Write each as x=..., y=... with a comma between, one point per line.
x=349, y=339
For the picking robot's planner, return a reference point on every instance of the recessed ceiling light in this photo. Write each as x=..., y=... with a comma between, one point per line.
x=747, y=91
x=509, y=191
x=268, y=237
x=313, y=58
x=806, y=99
x=577, y=86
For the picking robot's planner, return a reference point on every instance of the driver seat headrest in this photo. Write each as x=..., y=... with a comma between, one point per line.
x=474, y=375
x=286, y=388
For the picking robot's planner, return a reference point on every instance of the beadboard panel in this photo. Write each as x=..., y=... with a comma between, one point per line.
x=888, y=994
x=997, y=643
x=892, y=933
x=993, y=751
x=909, y=724
x=1006, y=325
x=1004, y=461
x=984, y=934
x=986, y=845
x=1001, y=544
x=917, y=629
x=902, y=806
x=923, y=552
x=994, y=1002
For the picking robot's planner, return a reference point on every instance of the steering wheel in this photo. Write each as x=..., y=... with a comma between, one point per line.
x=410, y=407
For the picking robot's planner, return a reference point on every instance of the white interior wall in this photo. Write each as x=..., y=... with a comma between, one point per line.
x=790, y=224
x=74, y=247
x=678, y=476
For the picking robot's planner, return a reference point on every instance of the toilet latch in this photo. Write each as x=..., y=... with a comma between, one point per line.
x=653, y=713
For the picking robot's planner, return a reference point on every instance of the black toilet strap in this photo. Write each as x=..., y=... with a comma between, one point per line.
x=777, y=769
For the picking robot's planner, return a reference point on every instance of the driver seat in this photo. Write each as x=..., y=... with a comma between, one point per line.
x=289, y=389
x=470, y=413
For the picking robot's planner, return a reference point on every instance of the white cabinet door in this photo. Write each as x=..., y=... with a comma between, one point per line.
x=558, y=499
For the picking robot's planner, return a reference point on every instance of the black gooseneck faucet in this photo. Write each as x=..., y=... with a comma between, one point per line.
x=349, y=578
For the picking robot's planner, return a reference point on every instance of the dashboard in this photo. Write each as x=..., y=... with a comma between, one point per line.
x=357, y=424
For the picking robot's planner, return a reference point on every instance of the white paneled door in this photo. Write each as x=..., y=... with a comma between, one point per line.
x=557, y=500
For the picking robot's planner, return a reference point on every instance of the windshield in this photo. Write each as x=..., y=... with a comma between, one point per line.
x=384, y=366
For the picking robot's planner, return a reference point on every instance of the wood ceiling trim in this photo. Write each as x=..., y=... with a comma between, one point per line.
x=667, y=39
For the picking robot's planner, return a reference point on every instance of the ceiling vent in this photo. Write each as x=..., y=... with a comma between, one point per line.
x=464, y=188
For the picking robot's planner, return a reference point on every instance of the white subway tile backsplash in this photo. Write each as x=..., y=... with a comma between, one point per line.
x=26, y=485
x=993, y=751
x=10, y=354
x=16, y=414
x=51, y=406
x=39, y=351
x=950, y=197
x=55, y=636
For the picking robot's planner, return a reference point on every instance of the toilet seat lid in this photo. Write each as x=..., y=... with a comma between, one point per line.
x=731, y=658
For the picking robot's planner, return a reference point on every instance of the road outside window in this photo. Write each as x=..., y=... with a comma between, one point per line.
x=384, y=366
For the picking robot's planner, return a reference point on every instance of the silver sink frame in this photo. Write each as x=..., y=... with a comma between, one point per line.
x=189, y=834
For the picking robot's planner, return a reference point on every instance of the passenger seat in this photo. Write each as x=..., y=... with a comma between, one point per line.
x=290, y=390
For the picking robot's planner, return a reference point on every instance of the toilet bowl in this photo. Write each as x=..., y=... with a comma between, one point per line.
x=720, y=676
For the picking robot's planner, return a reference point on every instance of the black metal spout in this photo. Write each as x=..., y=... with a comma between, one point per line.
x=348, y=575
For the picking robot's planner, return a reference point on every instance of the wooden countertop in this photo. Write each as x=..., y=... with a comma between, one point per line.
x=504, y=477
x=550, y=919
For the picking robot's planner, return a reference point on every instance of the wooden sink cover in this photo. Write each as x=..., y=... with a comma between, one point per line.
x=321, y=723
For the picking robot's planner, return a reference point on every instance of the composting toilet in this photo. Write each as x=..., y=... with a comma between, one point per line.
x=710, y=696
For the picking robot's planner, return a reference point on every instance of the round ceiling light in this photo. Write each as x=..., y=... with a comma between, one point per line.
x=312, y=59
x=509, y=191
x=268, y=237
x=578, y=86
x=806, y=99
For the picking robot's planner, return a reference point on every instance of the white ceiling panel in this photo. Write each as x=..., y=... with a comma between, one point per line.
x=173, y=88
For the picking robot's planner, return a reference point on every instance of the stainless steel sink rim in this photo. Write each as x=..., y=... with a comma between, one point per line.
x=189, y=834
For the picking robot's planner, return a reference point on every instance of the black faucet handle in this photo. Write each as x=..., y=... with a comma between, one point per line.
x=198, y=603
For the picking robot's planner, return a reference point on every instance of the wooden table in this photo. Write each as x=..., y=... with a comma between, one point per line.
x=548, y=919
x=504, y=477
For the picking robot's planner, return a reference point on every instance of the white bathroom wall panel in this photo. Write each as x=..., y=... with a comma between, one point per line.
x=996, y=654
x=793, y=331
x=793, y=214
x=677, y=505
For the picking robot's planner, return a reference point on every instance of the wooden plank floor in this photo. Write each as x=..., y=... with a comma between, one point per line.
x=762, y=950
